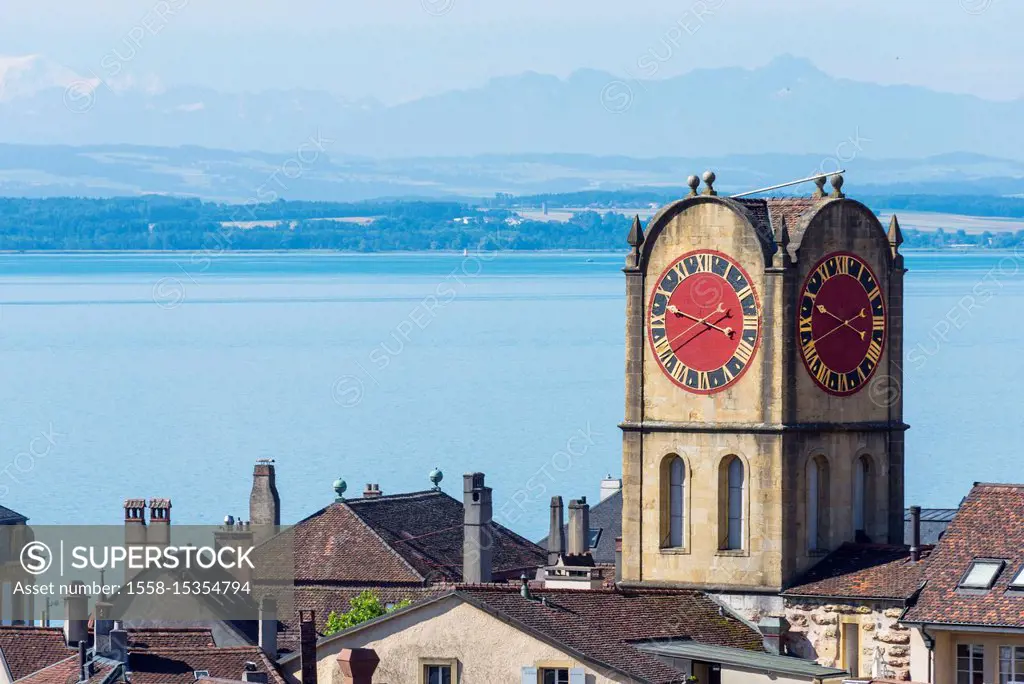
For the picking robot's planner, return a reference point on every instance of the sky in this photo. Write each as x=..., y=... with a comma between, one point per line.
x=396, y=50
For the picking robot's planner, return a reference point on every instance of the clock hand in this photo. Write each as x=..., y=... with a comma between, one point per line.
x=825, y=311
x=845, y=323
x=718, y=309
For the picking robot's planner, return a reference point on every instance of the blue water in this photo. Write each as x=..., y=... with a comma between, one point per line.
x=168, y=375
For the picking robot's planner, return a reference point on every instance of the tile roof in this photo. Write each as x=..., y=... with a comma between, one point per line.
x=27, y=649
x=9, y=517
x=863, y=571
x=990, y=524
x=606, y=516
x=177, y=665
x=601, y=625
x=767, y=214
x=66, y=672
x=169, y=637
x=425, y=529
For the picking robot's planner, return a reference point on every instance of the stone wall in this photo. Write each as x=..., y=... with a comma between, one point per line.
x=816, y=628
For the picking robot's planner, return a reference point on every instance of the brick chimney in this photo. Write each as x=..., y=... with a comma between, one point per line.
x=372, y=491
x=556, y=533
x=477, y=541
x=76, y=614
x=357, y=665
x=159, y=523
x=579, y=527
x=135, y=533
x=268, y=627
x=307, y=646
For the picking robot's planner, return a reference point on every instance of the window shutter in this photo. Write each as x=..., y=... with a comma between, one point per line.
x=577, y=675
x=529, y=675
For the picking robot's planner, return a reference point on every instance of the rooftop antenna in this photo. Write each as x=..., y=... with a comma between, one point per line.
x=788, y=183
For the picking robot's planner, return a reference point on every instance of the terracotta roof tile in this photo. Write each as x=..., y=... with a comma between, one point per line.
x=169, y=637
x=989, y=524
x=66, y=672
x=27, y=649
x=863, y=571
x=601, y=625
x=177, y=665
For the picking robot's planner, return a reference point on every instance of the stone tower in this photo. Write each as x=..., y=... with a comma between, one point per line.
x=764, y=416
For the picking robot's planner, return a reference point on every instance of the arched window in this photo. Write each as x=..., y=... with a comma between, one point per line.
x=674, y=496
x=731, y=503
x=817, y=504
x=863, y=498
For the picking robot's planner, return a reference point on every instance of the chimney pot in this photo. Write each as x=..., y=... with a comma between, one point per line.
x=477, y=542
x=264, y=501
x=119, y=643
x=76, y=614
x=268, y=627
x=556, y=531
x=579, y=527
x=915, y=534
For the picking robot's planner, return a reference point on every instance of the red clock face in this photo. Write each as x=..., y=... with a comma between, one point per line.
x=841, y=323
x=704, y=322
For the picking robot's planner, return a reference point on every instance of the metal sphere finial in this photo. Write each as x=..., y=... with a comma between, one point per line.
x=339, y=487
x=435, y=477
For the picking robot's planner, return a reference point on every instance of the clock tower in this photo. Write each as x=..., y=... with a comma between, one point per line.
x=764, y=415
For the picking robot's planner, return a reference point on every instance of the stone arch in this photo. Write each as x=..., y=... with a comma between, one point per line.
x=674, y=500
x=733, y=503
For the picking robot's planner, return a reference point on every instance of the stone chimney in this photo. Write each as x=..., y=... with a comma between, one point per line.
x=477, y=541
x=372, y=491
x=556, y=531
x=307, y=646
x=135, y=533
x=268, y=627
x=773, y=634
x=915, y=534
x=579, y=527
x=618, y=559
x=236, y=534
x=264, y=501
x=159, y=523
x=357, y=665
x=76, y=614
x=104, y=625
x=610, y=486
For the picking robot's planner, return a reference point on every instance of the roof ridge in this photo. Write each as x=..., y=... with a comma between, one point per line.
x=392, y=497
x=999, y=485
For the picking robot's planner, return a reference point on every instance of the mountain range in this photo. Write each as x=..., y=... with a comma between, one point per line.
x=787, y=106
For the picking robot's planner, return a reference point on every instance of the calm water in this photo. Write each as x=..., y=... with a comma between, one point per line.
x=131, y=376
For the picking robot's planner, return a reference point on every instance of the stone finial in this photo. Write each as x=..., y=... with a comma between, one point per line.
x=709, y=182
x=694, y=183
x=782, y=239
x=819, y=192
x=636, y=233
x=895, y=234
x=837, y=185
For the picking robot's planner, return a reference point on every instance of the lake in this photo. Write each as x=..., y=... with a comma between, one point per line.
x=167, y=375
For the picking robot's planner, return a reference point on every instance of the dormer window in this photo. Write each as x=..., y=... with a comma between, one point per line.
x=982, y=574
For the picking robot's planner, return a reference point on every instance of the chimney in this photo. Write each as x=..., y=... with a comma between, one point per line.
x=915, y=534
x=236, y=534
x=251, y=674
x=579, y=526
x=609, y=487
x=476, y=542
x=134, y=530
x=618, y=559
x=773, y=634
x=104, y=624
x=76, y=614
x=264, y=501
x=307, y=646
x=556, y=533
x=357, y=665
x=84, y=664
x=159, y=523
x=119, y=644
x=372, y=491
x=268, y=627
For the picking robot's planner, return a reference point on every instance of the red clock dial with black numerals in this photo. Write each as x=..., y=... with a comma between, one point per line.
x=842, y=323
x=704, y=321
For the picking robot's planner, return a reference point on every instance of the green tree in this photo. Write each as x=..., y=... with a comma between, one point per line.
x=364, y=607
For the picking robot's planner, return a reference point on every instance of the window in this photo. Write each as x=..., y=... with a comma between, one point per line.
x=595, y=537
x=982, y=574
x=1018, y=581
x=553, y=675
x=970, y=664
x=731, y=504
x=863, y=498
x=677, y=477
x=1011, y=665
x=437, y=674
x=817, y=504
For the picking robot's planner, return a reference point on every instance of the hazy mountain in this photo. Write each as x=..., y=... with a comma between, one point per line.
x=786, y=106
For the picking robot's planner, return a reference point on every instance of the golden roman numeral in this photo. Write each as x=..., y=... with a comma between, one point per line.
x=679, y=371
x=805, y=324
x=843, y=265
x=742, y=294
x=878, y=323
x=703, y=262
x=743, y=352
x=874, y=293
x=874, y=352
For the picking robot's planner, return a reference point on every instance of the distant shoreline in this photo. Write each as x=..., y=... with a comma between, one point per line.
x=211, y=255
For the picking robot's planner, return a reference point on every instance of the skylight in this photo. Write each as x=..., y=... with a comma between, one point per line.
x=1018, y=581
x=982, y=574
